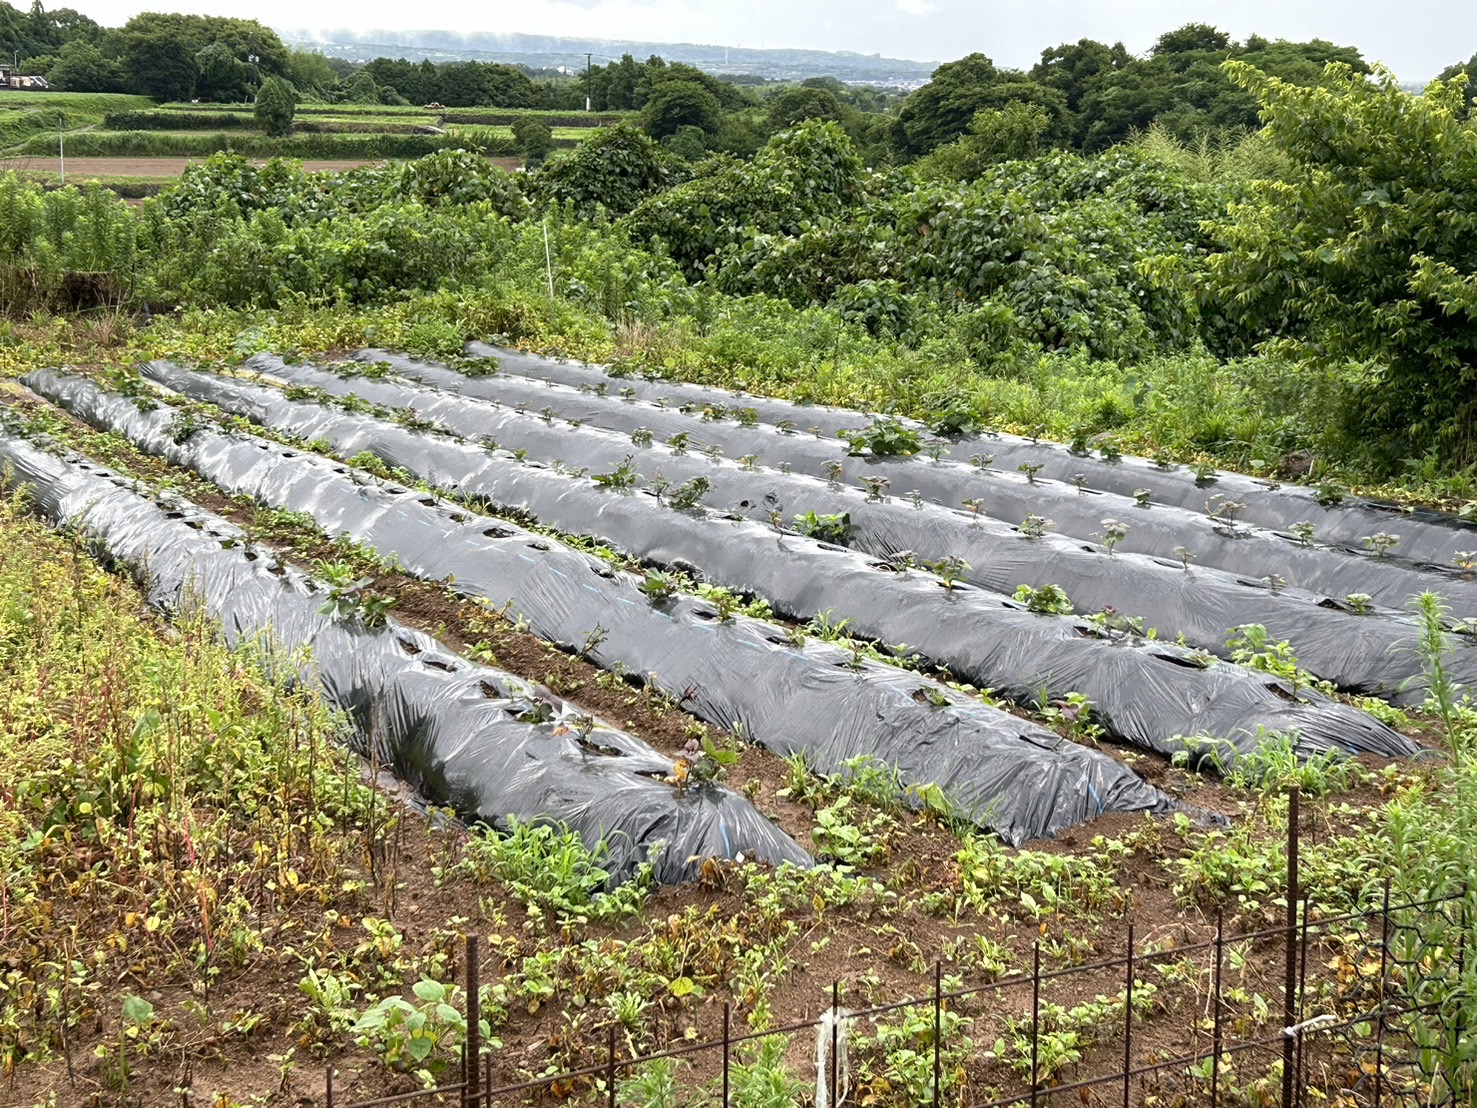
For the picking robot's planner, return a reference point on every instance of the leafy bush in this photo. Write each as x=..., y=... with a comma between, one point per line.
x=276, y=102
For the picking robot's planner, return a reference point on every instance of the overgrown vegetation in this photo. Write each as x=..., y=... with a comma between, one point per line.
x=176, y=823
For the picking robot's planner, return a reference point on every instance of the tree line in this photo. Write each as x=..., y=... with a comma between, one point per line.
x=1084, y=96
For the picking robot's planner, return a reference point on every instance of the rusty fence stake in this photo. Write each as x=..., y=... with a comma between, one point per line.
x=1128, y=1019
x=1289, y=996
x=472, y=1093
x=1035, y=1017
x=1215, y=1024
x=938, y=1022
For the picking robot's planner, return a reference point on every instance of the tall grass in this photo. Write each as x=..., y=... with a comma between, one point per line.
x=1233, y=156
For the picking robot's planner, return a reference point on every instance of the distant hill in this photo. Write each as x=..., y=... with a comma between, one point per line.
x=551, y=52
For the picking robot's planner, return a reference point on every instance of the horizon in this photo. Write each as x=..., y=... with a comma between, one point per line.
x=1416, y=43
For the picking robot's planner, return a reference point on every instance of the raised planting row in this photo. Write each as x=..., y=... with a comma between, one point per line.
x=1367, y=649
x=459, y=733
x=829, y=421
x=1216, y=537
x=1333, y=515
x=1150, y=693
x=1020, y=779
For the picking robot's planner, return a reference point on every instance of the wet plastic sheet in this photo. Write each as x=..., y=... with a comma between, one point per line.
x=827, y=419
x=1149, y=693
x=447, y=726
x=1018, y=778
x=1009, y=496
x=1371, y=653
x=1425, y=535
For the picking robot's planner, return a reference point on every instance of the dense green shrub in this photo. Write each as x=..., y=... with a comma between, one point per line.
x=176, y=121
x=615, y=169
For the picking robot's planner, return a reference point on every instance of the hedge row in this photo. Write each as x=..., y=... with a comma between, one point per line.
x=135, y=144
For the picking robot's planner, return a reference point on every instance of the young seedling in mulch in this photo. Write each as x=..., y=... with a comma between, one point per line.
x=1047, y=600
x=1466, y=560
x=1030, y=469
x=690, y=493
x=622, y=477
x=876, y=487
x=949, y=570
x=903, y=560
x=1141, y=497
x=1222, y=510
x=981, y=461
x=1302, y=530
x=658, y=585
x=1034, y=526
x=641, y=437
x=834, y=471
x=1114, y=532
x=1360, y=603
x=1185, y=557
x=975, y=504
x=1382, y=542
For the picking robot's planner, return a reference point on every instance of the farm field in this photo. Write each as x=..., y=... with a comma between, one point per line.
x=734, y=630
x=122, y=141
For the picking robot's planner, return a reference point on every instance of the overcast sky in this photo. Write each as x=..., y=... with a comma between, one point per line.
x=1416, y=38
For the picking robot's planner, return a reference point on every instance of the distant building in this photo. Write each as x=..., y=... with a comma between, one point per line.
x=10, y=79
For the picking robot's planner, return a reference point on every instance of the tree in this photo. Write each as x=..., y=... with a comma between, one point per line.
x=534, y=138
x=1192, y=38
x=276, y=104
x=617, y=168
x=244, y=38
x=796, y=105
x=1369, y=254
x=361, y=89
x=222, y=75
x=677, y=104
x=161, y=66
x=1469, y=67
x=81, y=67
x=310, y=70
x=1015, y=131
x=1072, y=68
x=941, y=110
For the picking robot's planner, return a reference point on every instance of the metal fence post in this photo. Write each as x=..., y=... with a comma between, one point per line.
x=1215, y=1025
x=938, y=1019
x=473, y=1052
x=1035, y=1016
x=835, y=1038
x=1379, y=1039
x=610, y=1064
x=328, y=1086
x=1302, y=1001
x=1289, y=998
x=1128, y=1019
x=727, y=1013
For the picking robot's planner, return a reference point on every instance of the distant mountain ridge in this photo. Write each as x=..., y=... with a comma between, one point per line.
x=552, y=51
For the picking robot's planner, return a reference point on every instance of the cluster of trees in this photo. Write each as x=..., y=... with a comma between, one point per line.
x=168, y=57
x=1340, y=251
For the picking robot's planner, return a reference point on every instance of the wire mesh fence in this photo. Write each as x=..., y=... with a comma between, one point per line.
x=1363, y=1008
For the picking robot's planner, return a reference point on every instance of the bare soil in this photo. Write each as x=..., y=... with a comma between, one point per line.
x=874, y=959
